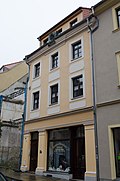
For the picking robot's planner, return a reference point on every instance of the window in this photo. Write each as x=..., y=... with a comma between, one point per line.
x=54, y=59
x=73, y=23
x=36, y=100
x=59, y=150
x=45, y=41
x=54, y=94
x=118, y=66
x=118, y=16
x=77, y=86
x=77, y=50
x=37, y=70
x=58, y=32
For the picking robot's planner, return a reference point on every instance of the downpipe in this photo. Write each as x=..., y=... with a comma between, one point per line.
x=93, y=25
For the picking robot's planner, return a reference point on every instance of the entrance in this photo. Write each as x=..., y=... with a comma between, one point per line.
x=78, y=152
x=34, y=151
x=116, y=133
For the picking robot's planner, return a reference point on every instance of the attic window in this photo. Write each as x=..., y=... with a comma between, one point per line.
x=45, y=41
x=73, y=23
x=58, y=32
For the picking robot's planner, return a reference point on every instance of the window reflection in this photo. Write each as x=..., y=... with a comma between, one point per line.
x=59, y=150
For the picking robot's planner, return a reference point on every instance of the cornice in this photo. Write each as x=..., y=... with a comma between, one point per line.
x=104, y=5
x=84, y=110
x=108, y=103
x=80, y=27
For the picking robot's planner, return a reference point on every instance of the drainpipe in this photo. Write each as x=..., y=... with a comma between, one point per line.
x=93, y=26
x=23, y=120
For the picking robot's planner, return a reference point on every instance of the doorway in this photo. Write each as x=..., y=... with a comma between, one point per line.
x=78, y=152
x=34, y=151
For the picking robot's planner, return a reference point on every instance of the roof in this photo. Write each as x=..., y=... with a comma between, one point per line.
x=11, y=76
x=67, y=18
x=9, y=66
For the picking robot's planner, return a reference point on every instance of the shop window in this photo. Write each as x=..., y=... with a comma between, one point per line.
x=59, y=150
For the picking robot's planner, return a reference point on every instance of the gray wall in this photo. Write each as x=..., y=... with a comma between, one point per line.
x=106, y=43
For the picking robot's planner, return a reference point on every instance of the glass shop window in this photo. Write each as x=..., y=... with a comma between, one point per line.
x=59, y=150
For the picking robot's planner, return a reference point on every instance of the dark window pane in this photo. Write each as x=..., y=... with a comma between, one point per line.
x=55, y=60
x=77, y=86
x=118, y=16
x=77, y=50
x=73, y=23
x=59, y=134
x=37, y=70
x=36, y=100
x=54, y=94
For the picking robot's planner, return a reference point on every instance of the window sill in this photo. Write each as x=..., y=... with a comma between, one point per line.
x=75, y=60
x=34, y=110
x=54, y=69
x=36, y=78
x=77, y=98
x=54, y=104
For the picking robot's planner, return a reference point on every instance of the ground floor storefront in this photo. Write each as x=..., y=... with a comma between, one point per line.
x=61, y=147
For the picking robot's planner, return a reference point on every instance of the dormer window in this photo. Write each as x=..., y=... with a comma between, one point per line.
x=73, y=23
x=45, y=41
x=58, y=32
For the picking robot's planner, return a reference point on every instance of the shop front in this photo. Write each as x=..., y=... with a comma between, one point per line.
x=66, y=151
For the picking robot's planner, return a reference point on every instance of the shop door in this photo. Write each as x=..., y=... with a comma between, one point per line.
x=34, y=151
x=116, y=133
x=78, y=153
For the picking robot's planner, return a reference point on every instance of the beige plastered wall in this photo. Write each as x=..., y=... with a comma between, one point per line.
x=64, y=76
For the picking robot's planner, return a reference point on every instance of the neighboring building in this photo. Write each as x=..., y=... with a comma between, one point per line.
x=59, y=126
x=107, y=74
x=12, y=86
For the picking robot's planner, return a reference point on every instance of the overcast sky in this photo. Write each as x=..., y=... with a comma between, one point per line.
x=22, y=21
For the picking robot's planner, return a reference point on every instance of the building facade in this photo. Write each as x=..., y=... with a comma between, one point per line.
x=59, y=127
x=107, y=74
x=12, y=79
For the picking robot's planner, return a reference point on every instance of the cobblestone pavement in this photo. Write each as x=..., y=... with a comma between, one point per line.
x=25, y=176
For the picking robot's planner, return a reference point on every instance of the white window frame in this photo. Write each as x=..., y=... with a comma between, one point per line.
x=71, y=49
x=33, y=74
x=118, y=66
x=50, y=61
x=114, y=15
x=71, y=86
x=49, y=93
x=32, y=99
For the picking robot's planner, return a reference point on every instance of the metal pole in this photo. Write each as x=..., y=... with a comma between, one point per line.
x=94, y=95
x=22, y=127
